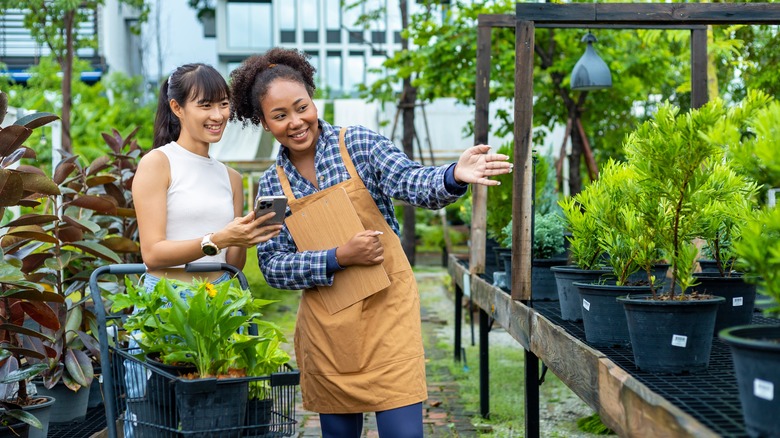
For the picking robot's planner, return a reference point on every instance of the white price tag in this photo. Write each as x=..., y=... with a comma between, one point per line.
x=586, y=305
x=467, y=284
x=679, y=341
x=764, y=389
x=737, y=301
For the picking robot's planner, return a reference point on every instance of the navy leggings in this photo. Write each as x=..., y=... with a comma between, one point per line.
x=404, y=422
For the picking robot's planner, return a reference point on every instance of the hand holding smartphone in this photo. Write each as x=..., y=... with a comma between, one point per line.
x=267, y=204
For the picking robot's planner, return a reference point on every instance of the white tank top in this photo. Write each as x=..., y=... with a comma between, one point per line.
x=200, y=197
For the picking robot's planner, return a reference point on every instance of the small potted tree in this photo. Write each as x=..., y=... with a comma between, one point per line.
x=677, y=158
x=756, y=348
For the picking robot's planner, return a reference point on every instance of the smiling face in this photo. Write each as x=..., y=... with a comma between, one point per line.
x=289, y=113
x=202, y=122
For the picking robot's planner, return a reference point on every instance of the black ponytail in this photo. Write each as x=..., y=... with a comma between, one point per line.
x=166, y=124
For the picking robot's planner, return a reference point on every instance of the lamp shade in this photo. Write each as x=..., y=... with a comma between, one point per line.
x=590, y=72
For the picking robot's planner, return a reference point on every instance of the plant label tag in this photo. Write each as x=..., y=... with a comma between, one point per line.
x=736, y=302
x=764, y=389
x=679, y=341
x=467, y=284
x=586, y=305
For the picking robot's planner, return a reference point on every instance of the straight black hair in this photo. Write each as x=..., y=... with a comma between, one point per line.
x=186, y=83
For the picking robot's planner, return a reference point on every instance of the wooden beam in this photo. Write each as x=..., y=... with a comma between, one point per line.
x=481, y=126
x=699, y=93
x=648, y=13
x=522, y=193
x=496, y=20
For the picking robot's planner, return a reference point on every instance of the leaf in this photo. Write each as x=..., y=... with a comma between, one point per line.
x=34, y=261
x=101, y=204
x=90, y=342
x=69, y=233
x=97, y=250
x=35, y=235
x=38, y=295
x=25, y=352
x=24, y=331
x=37, y=183
x=82, y=223
x=115, y=192
x=32, y=219
x=13, y=158
x=125, y=212
x=98, y=164
x=23, y=374
x=26, y=417
x=79, y=367
x=100, y=180
x=112, y=142
x=63, y=169
x=11, y=188
x=36, y=120
x=121, y=245
x=11, y=137
x=41, y=313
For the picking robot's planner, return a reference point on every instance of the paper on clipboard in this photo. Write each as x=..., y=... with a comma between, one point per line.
x=327, y=223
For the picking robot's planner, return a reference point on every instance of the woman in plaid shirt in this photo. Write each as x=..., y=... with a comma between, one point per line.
x=367, y=357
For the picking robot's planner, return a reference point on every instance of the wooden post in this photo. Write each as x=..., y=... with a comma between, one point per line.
x=479, y=192
x=699, y=95
x=522, y=195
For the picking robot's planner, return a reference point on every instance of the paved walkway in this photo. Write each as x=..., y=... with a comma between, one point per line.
x=443, y=413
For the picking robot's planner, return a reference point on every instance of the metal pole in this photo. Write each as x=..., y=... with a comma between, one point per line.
x=458, y=321
x=484, y=367
x=531, y=395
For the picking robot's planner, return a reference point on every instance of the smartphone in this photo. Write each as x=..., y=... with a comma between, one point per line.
x=267, y=204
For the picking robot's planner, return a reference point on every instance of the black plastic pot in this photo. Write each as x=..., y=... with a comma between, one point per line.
x=208, y=404
x=670, y=337
x=16, y=430
x=41, y=411
x=150, y=419
x=740, y=297
x=603, y=317
x=756, y=353
x=69, y=405
x=568, y=294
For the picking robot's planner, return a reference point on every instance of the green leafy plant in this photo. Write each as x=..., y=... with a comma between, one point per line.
x=200, y=323
x=758, y=251
x=548, y=235
x=680, y=170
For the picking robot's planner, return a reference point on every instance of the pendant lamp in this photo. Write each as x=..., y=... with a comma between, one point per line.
x=590, y=72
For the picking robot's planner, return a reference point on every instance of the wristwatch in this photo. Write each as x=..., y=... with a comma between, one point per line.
x=208, y=247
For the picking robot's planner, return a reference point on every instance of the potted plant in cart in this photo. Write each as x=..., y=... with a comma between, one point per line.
x=679, y=163
x=755, y=348
x=207, y=326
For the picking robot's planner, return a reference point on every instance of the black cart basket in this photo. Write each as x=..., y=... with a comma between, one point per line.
x=150, y=400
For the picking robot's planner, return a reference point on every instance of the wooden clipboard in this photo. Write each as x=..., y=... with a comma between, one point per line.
x=327, y=223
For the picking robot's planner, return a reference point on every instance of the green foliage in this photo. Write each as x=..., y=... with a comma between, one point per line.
x=548, y=235
x=759, y=253
x=116, y=101
x=199, y=323
x=594, y=425
x=580, y=219
x=680, y=168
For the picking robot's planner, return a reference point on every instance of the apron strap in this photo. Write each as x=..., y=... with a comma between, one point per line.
x=345, y=156
x=284, y=182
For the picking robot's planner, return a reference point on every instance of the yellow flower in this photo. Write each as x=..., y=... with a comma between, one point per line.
x=211, y=290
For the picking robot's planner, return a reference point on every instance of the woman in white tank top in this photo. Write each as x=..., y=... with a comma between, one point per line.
x=190, y=206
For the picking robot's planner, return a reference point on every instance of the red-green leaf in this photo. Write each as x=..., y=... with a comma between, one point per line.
x=36, y=183
x=97, y=250
x=100, y=180
x=34, y=261
x=79, y=367
x=36, y=120
x=42, y=314
x=35, y=235
x=82, y=223
x=11, y=137
x=25, y=352
x=11, y=188
x=112, y=142
x=121, y=244
x=38, y=295
x=32, y=219
x=101, y=204
x=70, y=233
x=98, y=164
x=125, y=212
x=64, y=168
x=24, y=331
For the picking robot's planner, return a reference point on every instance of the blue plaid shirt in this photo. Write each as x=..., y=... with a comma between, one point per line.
x=387, y=174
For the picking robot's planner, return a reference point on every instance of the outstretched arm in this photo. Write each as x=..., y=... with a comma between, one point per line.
x=476, y=166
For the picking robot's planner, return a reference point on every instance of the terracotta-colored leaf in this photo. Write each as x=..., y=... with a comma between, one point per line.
x=11, y=188
x=35, y=235
x=64, y=168
x=30, y=169
x=112, y=142
x=42, y=314
x=34, y=261
x=29, y=153
x=35, y=183
x=11, y=137
x=34, y=295
x=125, y=212
x=113, y=191
x=100, y=180
x=32, y=203
x=32, y=219
x=24, y=331
x=101, y=204
x=121, y=245
x=98, y=164
x=36, y=120
x=68, y=233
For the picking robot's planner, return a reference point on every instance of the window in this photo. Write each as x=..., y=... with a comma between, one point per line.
x=334, y=36
x=354, y=72
x=310, y=14
x=314, y=60
x=287, y=16
x=311, y=36
x=287, y=36
x=352, y=15
x=333, y=14
x=333, y=71
x=249, y=25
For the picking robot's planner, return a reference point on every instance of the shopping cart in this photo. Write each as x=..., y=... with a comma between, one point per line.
x=153, y=401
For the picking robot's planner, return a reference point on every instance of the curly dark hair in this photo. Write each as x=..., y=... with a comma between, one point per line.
x=250, y=81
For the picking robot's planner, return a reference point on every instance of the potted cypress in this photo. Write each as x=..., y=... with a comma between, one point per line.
x=679, y=165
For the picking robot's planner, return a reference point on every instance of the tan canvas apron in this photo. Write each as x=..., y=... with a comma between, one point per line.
x=368, y=357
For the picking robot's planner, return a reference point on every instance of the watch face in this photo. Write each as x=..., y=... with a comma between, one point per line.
x=210, y=250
